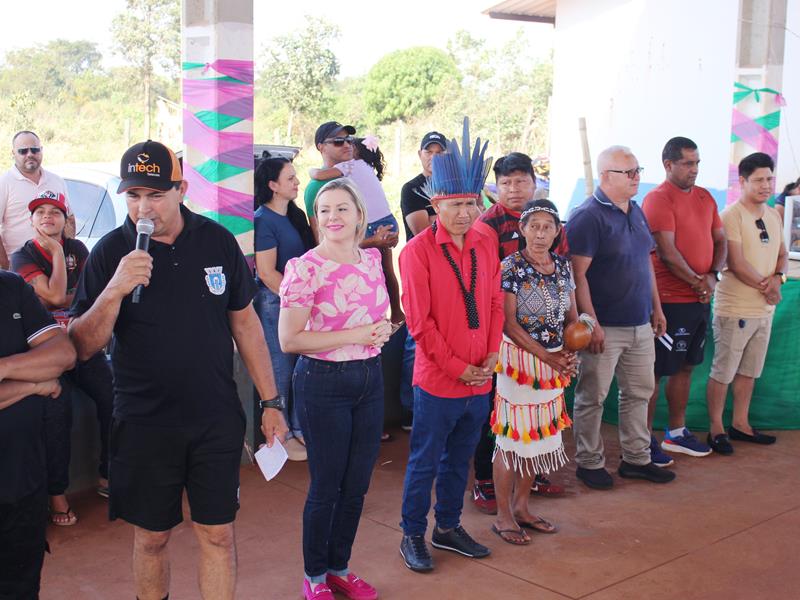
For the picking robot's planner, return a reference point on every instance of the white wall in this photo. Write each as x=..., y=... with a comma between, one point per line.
x=641, y=72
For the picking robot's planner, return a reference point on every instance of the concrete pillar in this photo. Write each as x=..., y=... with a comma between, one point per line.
x=757, y=97
x=218, y=113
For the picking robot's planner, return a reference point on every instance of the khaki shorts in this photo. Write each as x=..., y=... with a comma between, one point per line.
x=740, y=347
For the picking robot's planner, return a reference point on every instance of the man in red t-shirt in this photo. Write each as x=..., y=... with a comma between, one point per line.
x=690, y=253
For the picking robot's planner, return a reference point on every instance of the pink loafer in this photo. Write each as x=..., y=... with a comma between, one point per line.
x=352, y=586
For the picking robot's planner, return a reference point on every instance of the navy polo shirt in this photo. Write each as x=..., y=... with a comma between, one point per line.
x=619, y=244
x=173, y=352
x=22, y=465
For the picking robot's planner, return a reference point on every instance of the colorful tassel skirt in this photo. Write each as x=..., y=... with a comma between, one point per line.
x=529, y=412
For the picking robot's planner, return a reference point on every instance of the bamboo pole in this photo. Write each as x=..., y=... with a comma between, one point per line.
x=587, y=157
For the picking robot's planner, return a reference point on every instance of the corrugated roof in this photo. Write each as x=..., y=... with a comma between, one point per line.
x=540, y=11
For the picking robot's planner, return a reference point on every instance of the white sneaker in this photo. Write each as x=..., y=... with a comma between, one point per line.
x=295, y=450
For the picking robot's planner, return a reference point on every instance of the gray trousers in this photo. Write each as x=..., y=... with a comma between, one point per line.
x=629, y=354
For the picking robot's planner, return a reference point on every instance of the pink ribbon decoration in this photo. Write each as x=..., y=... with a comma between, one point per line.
x=217, y=198
x=238, y=69
x=242, y=108
x=209, y=94
x=240, y=157
x=209, y=141
x=754, y=134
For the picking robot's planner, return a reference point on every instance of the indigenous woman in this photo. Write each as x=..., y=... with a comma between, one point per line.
x=533, y=370
x=282, y=232
x=333, y=313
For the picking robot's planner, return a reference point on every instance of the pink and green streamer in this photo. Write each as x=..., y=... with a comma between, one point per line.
x=218, y=96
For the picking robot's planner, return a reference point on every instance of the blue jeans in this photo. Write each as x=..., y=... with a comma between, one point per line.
x=268, y=306
x=341, y=412
x=443, y=440
x=407, y=374
x=387, y=220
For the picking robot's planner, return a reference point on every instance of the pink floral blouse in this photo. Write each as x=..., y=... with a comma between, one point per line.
x=340, y=296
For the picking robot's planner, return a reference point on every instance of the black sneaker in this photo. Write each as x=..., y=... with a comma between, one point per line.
x=415, y=553
x=649, y=472
x=720, y=444
x=458, y=540
x=597, y=479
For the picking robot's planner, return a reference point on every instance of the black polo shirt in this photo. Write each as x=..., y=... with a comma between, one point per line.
x=22, y=319
x=173, y=352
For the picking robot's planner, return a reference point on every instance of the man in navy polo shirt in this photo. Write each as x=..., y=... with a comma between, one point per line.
x=34, y=351
x=610, y=245
x=178, y=422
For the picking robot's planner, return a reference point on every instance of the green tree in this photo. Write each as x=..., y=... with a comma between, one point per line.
x=148, y=35
x=50, y=69
x=300, y=68
x=404, y=83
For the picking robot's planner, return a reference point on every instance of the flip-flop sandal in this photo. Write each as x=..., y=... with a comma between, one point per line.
x=540, y=525
x=505, y=535
x=71, y=519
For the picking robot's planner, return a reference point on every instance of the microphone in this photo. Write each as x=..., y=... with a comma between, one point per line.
x=144, y=229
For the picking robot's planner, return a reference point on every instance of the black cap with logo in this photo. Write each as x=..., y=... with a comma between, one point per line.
x=433, y=137
x=327, y=130
x=149, y=165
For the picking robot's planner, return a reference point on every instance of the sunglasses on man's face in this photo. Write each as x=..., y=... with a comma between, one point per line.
x=763, y=235
x=339, y=141
x=32, y=150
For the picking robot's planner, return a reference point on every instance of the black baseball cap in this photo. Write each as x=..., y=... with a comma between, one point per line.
x=328, y=129
x=149, y=165
x=433, y=137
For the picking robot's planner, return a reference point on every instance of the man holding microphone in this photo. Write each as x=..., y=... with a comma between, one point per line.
x=178, y=422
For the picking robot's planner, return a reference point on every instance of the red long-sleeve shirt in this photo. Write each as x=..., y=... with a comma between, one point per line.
x=435, y=311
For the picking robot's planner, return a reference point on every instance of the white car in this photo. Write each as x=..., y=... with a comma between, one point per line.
x=93, y=198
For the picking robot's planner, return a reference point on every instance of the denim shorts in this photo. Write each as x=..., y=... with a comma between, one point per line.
x=387, y=220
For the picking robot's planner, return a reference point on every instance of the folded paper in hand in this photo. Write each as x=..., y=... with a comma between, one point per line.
x=271, y=460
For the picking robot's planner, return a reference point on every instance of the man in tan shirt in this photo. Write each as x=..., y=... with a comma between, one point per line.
x=745, y=302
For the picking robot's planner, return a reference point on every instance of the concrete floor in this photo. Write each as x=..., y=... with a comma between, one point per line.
x=726, y=528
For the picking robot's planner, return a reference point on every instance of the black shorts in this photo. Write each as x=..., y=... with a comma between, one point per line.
x=22, y=545
x=685, y=338
x=150, y=466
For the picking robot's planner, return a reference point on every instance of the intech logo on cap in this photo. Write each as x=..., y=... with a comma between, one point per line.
x=141, y=166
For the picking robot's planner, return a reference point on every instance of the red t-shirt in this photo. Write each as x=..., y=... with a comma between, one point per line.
x=691, y=216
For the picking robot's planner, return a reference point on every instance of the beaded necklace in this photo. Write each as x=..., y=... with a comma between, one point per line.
x=469, y=294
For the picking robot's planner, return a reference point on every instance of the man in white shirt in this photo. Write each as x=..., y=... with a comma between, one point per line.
x=23, y=182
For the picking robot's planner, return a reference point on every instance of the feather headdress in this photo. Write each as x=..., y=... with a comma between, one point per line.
x=455, y=174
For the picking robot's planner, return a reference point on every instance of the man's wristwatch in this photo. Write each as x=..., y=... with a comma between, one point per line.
x=717, y=275
x=276, y=402
x=782, y=276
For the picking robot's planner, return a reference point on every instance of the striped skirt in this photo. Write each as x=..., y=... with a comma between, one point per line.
x=529, y=412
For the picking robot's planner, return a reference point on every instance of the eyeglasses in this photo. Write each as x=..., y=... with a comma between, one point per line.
x=631, y=173
x=339, y=141
x=32, y=149
x=763, y=235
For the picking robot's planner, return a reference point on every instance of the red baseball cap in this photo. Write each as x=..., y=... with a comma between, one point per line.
x=47, y=197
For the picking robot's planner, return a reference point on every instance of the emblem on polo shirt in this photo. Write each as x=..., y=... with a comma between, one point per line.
x=215, y=280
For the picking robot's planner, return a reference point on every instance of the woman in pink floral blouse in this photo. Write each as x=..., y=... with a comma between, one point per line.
x=333, y=313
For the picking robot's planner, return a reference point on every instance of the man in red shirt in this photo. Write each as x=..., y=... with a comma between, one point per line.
x=690, y=253
x=454, y=310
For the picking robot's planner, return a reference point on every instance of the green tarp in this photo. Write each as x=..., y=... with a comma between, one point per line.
x=776, y=399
